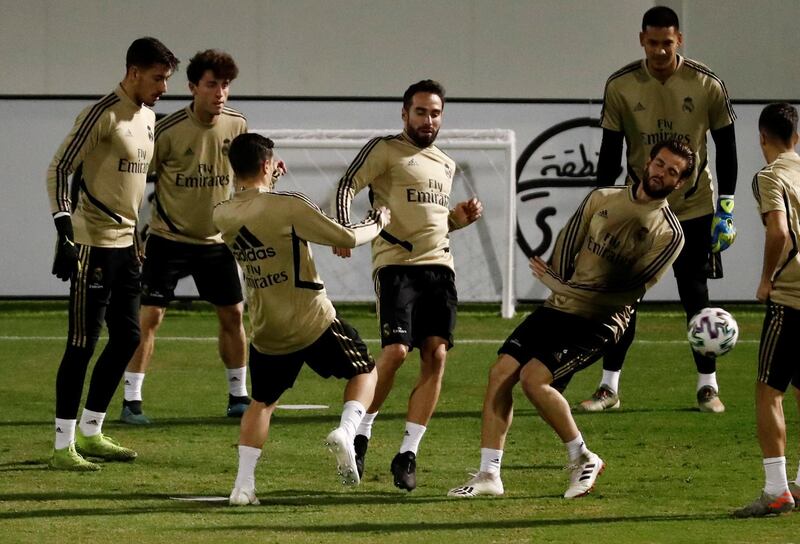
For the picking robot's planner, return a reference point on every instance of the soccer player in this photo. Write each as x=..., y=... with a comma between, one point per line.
x=293, y=321
x=412, y=263
x=97, y=250
x=617, y=245
x=667, y=96
x=193, y=175
x=776, y=188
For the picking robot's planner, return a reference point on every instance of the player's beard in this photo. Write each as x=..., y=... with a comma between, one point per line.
x=653, y=192
x=422, y=139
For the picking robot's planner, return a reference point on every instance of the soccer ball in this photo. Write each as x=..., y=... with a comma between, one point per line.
x=712, y=332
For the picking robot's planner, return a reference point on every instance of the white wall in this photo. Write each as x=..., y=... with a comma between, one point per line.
x=478, y=48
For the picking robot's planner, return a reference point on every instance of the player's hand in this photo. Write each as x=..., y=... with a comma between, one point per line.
x=538, y=266
x=723, y=233
x=467, y=212
x=65, y=264
x=764, y=290
x=281, y=168
x=343, y=252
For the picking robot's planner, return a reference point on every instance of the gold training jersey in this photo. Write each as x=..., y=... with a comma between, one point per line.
x=268, y=233
x=776, y=187
x=610, y=252
x=414, y=183
x=194, y=174
x=689, y=104
x=114, y=140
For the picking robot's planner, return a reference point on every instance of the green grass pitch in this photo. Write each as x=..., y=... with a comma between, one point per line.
x=673, y=475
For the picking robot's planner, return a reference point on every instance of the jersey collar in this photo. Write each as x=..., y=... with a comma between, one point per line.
x=651, y=76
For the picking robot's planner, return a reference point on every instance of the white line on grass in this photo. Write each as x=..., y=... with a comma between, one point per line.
x=370, y=340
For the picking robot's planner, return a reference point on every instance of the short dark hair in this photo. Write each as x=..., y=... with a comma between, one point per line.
x=779, y=120
x=146, y=52
x=219, y=62
x=660, y=17
x=679, y=148
x=424, y=86
x=248, y=152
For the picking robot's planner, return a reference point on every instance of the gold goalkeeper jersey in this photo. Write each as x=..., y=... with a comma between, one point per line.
x=610, y=252
x=113, y=138
x=685, y=107
x=193, y=174
x=776, y=187
x=414, y=183
x=268, y=233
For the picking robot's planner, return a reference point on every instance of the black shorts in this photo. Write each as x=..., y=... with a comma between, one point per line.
x=106, y=288
x=415, y=303
x=212, y=267
x=777, y=354
x=339, y=352
x=564, y=343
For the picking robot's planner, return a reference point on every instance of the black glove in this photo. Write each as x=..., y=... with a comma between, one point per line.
x=65, y=264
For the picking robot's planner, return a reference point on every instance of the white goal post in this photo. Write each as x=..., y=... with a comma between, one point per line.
x=317, y=158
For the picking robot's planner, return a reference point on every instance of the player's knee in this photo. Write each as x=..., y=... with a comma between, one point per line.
x=504, y=371
x=393, y=356
x=433, y=366
x=535, y=378
x=80, y=355
x=230, y=318
x=434, y=352
x=150, y=318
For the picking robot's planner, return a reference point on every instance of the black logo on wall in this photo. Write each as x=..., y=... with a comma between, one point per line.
x=562, y=158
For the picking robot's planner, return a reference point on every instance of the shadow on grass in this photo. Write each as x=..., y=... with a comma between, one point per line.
x=279, y=418
x=161, y=503
x=456, y=525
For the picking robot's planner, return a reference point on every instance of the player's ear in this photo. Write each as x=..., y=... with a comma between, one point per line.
x=192, y=88
x=795, y=139
x=680, y=39
x=404, y=114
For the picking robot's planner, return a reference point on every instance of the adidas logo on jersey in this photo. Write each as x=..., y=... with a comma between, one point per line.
x=189, y=153
x=638, y=107
x=413, y=162
x=247, y=247
x=603, y=213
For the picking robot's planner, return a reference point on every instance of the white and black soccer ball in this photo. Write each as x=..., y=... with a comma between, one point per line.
x=712, y=332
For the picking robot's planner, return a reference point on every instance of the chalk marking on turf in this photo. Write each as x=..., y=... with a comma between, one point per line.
x=370, y=340
x=200, y=499
x=304, y=406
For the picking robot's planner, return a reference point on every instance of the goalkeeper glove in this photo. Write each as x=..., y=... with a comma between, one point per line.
x=65, y=263
x=723, y=233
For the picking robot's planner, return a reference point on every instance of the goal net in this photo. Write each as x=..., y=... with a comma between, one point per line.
x=483, y=252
